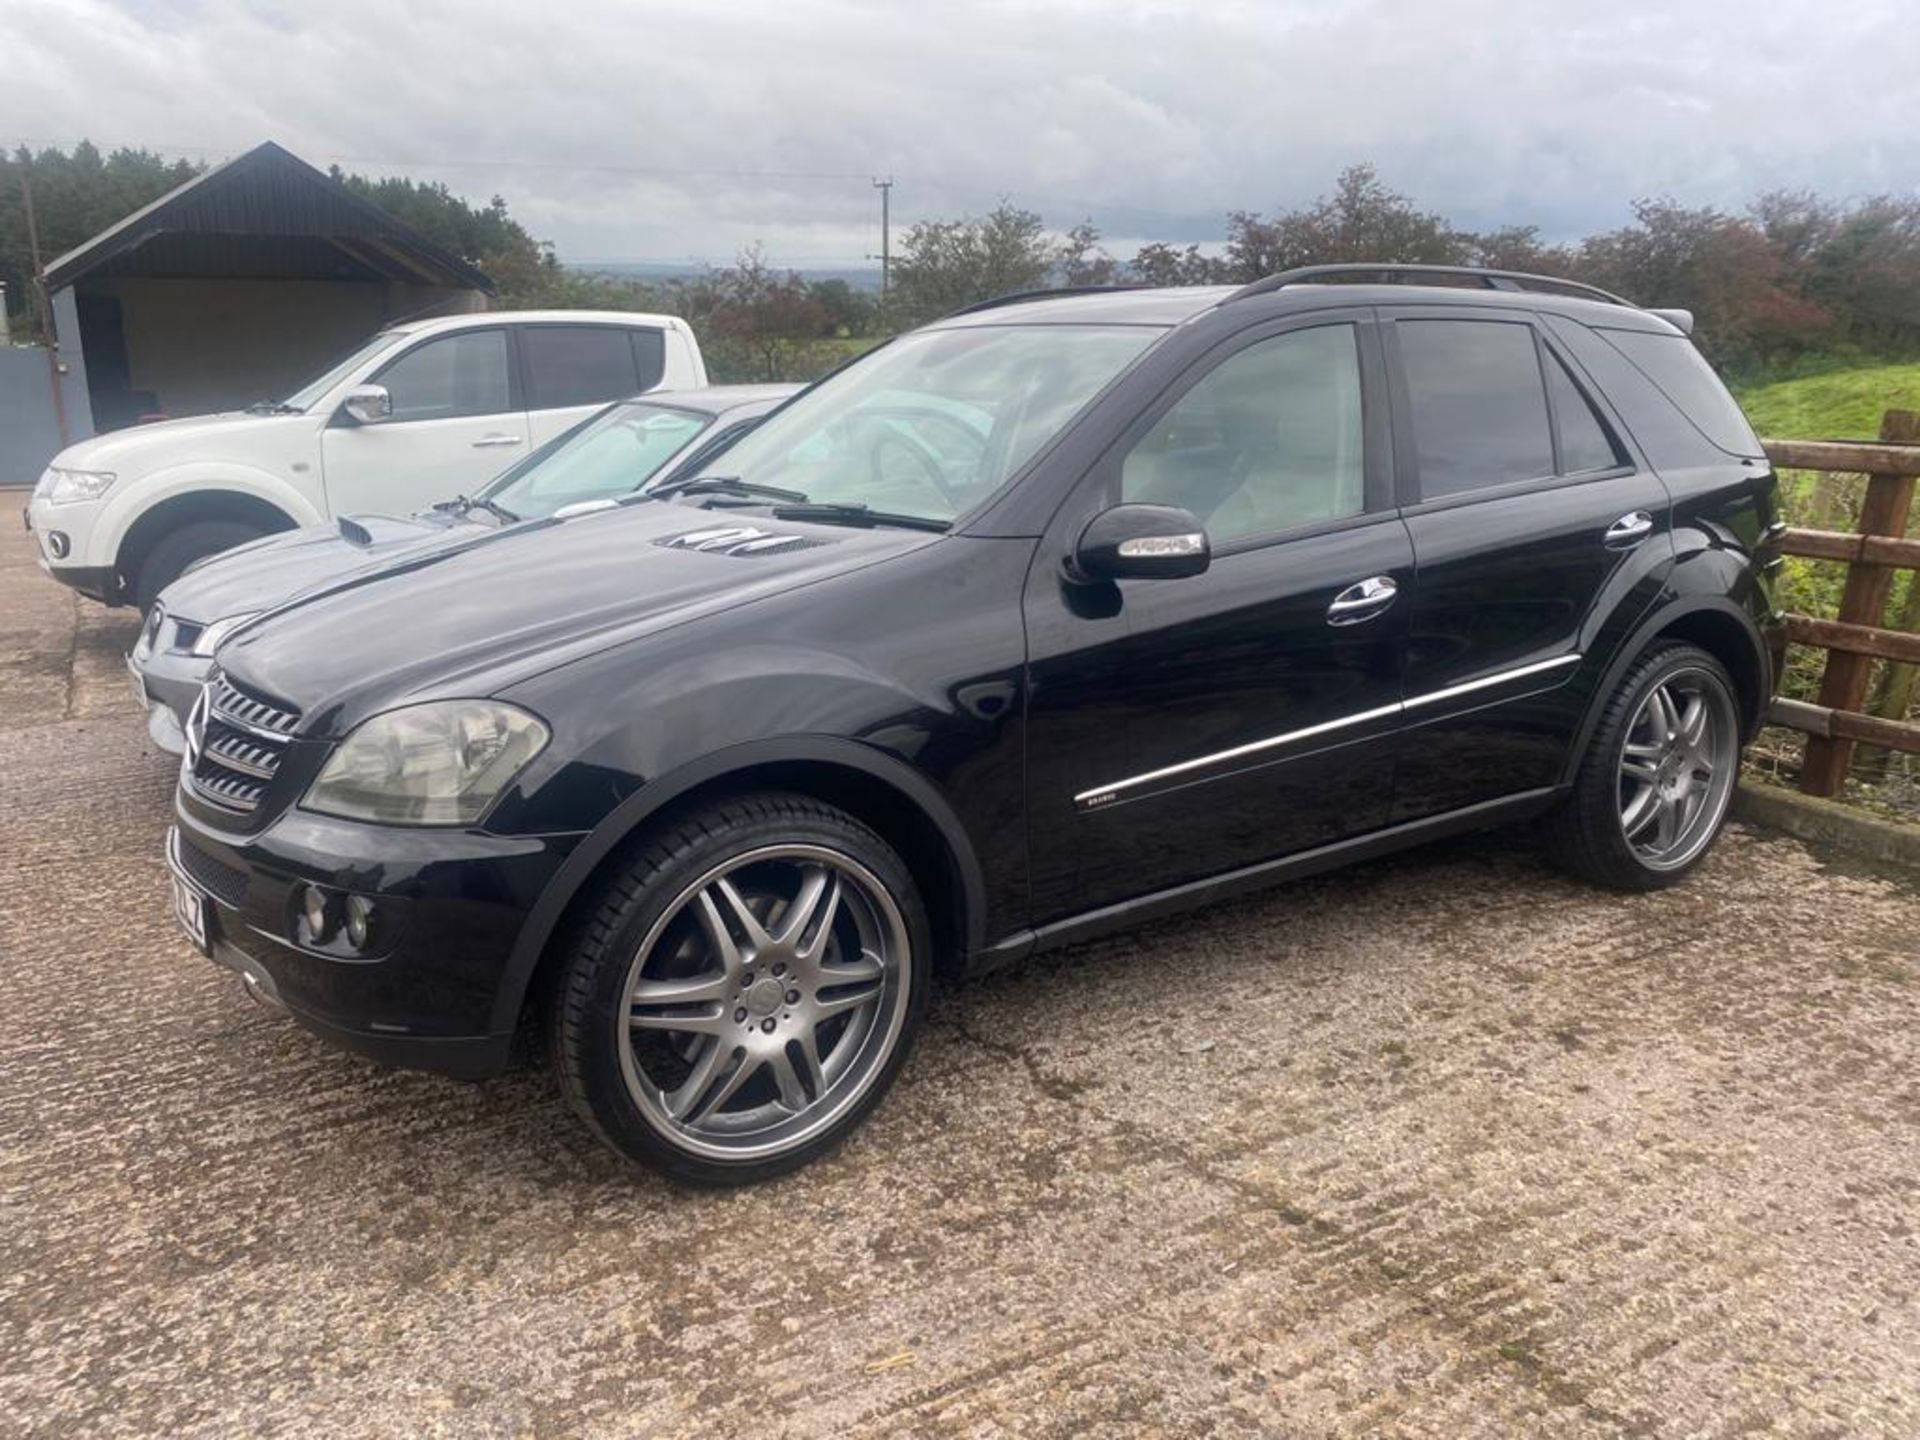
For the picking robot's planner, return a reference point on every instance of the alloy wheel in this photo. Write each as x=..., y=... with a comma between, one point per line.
x=765, y=1001
x=1677, y=768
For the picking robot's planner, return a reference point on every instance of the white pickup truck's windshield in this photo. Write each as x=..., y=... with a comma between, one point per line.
x=610, y=456
x=935, y=422
x=310, y=394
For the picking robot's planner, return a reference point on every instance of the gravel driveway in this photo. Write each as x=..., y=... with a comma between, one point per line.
x=1442, y=1146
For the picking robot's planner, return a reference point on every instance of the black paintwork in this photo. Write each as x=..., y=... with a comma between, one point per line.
x=977, y=701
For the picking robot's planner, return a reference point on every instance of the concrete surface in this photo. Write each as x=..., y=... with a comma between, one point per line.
x=1829, y=822
x=1446, y=1146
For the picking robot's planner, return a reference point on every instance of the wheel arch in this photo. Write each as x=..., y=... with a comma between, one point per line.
x=189, y=508
x=898, y=803
x=1718, y=626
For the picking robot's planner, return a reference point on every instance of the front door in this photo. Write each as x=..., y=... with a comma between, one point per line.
x=457, y=422
x=1181, y=728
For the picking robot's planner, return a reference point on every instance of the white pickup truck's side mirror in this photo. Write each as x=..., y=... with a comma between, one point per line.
x=368, y=404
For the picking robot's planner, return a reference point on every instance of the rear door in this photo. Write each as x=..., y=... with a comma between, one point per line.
x=1180, y=728
x=457, y=422
x=570, y=371
x=1536, y=537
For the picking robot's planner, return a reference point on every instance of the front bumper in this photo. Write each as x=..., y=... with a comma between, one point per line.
x=168, y=682
x=61, y=557
x=447, y=906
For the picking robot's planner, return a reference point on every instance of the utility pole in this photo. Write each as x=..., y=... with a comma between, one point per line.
x=885, y=257
x=43, y=305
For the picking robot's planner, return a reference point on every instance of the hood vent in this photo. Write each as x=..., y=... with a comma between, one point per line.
x=738, y=540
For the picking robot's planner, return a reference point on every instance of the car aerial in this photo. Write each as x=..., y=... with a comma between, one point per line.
x=1051, y=617
x=611, y=454
x=420, y=411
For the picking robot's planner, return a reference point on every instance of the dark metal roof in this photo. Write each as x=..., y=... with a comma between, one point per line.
x=266, y=214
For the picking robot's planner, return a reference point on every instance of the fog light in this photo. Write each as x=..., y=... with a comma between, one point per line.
x=58, y=544
x=359, y=920
x=318, y=914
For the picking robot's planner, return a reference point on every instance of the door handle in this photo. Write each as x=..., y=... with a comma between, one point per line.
x=489, y=442
x=1628, y=531
x=1363, y=601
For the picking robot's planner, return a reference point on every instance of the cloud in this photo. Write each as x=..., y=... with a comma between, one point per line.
x=663, y=131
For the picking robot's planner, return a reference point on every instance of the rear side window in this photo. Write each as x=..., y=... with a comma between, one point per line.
x=1671, y=362
x=459, y=374
x=1585, y=444
x=1479, y=407
x=580, y=365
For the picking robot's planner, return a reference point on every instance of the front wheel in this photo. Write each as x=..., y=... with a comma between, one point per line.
x=745, y=992
x=1653, y=789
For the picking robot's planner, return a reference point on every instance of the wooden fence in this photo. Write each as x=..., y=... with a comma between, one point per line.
x=1873, y=555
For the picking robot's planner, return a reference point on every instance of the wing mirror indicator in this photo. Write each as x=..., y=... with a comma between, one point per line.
x=1142, y=542
x=368, y=404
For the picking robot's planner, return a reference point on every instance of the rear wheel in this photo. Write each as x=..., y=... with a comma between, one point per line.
x=745, y=992
x=1653, y=788
x=174, y=551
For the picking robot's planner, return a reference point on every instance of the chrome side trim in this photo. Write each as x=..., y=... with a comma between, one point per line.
x=1539, y=667
x=1106, y=794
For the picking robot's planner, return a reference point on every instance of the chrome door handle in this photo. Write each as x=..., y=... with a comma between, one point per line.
x=488, y=442
x=1363, y=601
x=1628, y=530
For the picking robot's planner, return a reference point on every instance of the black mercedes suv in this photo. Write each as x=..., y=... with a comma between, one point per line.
x=1058, y=614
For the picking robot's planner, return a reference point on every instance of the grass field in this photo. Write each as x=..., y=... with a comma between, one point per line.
x=1843, y=405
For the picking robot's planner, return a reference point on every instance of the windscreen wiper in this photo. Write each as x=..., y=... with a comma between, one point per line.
x=854, y=513
x=273, y=407
x=724, y=485
x=461, y=504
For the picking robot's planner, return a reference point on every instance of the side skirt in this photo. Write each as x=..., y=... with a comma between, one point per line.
x=1128, y=914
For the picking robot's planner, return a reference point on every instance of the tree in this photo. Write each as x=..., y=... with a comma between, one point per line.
x=945, y=264
x=1080, y=260
x=850, y=312
x=754, y=322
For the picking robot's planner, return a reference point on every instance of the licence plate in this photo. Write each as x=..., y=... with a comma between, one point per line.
x=191, y=911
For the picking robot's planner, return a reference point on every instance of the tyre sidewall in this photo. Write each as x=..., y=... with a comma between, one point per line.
x=589, y=1034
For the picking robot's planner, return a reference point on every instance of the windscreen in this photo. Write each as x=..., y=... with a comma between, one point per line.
x=604, y=459
x=937, y=421
x=308, y=395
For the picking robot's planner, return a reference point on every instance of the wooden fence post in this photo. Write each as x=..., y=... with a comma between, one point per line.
x=1888, y=503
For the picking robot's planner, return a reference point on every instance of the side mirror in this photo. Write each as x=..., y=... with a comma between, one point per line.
x=1142, y=542
x=368, y=404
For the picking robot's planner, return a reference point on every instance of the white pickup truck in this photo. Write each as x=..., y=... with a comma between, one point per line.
x=421, y=412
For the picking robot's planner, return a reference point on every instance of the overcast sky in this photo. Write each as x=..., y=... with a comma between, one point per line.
x=636, y=130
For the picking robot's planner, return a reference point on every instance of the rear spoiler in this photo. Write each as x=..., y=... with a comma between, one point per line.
x=1681, y=320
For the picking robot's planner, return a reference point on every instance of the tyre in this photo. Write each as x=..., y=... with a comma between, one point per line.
x=744, y=991
x=174, y=551
x=1653, y=788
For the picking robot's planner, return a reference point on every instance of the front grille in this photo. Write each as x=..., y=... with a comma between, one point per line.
x=226, y=883
x=242, y=741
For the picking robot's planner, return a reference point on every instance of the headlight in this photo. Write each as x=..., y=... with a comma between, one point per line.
x=442, y=763
x=64, y=487
x=209, y=639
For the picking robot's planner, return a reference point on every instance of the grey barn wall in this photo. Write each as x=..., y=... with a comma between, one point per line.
x=29, y=423
x=207, y=345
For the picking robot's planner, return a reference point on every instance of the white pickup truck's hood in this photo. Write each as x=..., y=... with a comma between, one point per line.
x=263, y=442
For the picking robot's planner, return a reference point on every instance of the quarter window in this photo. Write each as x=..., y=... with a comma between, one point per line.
x=1270, y=439
x=460, y=374
x=577, y=365
x=1671, y=362
x=1585, y=444
x=1479, y=407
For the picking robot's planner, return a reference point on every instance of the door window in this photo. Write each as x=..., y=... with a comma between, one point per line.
x=1585, y=444
x=1268, y=440
x=580, y=365
x=460, y=374
x=1479, y=407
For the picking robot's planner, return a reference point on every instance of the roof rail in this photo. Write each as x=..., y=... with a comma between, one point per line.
x=1020, y=297
x=1492, y=279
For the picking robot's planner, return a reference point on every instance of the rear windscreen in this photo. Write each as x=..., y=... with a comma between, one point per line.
x=1671, y=362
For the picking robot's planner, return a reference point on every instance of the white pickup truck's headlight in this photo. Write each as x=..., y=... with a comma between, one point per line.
x=442, y=763
x=210, y=637
x=64, y=487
